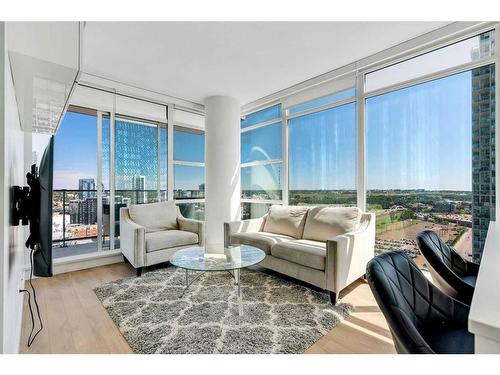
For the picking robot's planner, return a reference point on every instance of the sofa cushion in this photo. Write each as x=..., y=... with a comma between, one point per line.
x=168, y=239
x=286, y=220
x=323, y=223
x=155, y=216
x=307, y=253
x=262, y=240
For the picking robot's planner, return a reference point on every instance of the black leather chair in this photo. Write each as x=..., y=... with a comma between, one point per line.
x=422, y=319
x=453, y=274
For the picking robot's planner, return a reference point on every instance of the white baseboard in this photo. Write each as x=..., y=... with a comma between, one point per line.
x=81, y=262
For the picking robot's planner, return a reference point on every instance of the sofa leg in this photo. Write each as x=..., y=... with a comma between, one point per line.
x=333, y=298
x=139, y=271
x=124, y=259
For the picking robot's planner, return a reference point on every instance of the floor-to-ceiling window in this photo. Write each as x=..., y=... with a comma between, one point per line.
x=136, y=161
x=322, y=151
x=74, y=213
x=424, y=160
x=140, y=147
x=189, y=172
x=94, y=158
x=125, y=152
x=430, y=150
x=261, y=161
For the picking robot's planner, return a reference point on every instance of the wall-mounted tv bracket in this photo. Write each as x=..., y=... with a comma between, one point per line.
x=25, y=206
x=19, y=205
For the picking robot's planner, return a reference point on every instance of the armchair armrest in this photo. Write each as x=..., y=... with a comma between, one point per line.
x=132, y=239
x=348, y=254
x=242, y=226
x=194, y=226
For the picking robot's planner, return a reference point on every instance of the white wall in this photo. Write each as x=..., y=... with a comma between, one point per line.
x=12, y=171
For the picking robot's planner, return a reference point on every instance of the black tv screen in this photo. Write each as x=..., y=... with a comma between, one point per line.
x=42, y=258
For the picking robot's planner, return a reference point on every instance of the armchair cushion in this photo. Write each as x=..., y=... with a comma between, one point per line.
x=262, y=240
x=323, y=223
x=155, y=216
x=168, y=239
x=307, y=253
x=286, y=220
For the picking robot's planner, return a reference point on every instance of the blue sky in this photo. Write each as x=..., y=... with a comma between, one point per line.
x=322, y=150
x=75, y=150
x=419, y=137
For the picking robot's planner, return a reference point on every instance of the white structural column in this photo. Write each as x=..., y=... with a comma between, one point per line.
x=222, y=165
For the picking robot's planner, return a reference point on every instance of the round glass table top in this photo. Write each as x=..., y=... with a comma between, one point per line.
x=217, y=258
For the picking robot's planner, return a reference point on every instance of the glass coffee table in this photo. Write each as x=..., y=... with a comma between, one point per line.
x=216, y=259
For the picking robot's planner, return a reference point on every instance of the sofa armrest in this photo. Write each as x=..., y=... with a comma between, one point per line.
x=194, y=226
x=348, y=254
x=242, y=226
x=132, y=239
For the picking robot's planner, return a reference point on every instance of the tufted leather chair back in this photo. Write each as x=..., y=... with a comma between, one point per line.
x=414, y=308
x=445, y=264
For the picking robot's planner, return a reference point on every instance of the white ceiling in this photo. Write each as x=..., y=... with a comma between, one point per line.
x=193, y=60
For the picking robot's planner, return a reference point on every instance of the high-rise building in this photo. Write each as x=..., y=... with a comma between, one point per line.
x=139, y=187
x=83, y=211
x=483, y=147
x=136, y=159
x=86, y=184
x=73, y=211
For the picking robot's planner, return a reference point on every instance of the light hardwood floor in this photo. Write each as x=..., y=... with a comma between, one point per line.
x=76, y=322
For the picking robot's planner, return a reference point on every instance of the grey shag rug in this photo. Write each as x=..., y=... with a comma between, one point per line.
x=272, y=316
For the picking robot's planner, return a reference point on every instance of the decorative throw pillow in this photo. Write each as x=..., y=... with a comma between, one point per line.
x=287, y=220
x=324, y=223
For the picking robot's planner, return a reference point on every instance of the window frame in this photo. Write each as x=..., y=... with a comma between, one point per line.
x=428, y=43
x=362, y=96
x=340, y=103
x=173, y=162
x=158, y=125
x=284, y=175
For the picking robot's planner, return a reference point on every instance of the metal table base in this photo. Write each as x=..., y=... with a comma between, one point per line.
x=234, y=273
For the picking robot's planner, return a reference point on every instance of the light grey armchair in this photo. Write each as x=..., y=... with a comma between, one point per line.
x=152, y=233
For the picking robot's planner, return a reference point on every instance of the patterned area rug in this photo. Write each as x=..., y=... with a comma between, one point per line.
x=272, y=316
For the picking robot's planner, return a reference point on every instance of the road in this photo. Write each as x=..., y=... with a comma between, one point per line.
x=464, y=244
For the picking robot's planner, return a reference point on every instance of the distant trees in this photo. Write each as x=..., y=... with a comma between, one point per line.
x=322, y=198
x=407, y=215
x=377, y=199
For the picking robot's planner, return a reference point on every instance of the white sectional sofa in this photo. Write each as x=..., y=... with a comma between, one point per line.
x=328, y=247
x=152, y=233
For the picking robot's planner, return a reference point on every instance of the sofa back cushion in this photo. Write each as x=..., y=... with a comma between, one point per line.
x=323, y=223
x=155, y=216
x=287, y=220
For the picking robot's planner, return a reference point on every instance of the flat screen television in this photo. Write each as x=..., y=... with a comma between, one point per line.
x=42, y=257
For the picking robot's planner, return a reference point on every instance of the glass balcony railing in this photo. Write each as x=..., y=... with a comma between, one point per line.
x=75, y=220
x=74, y=216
